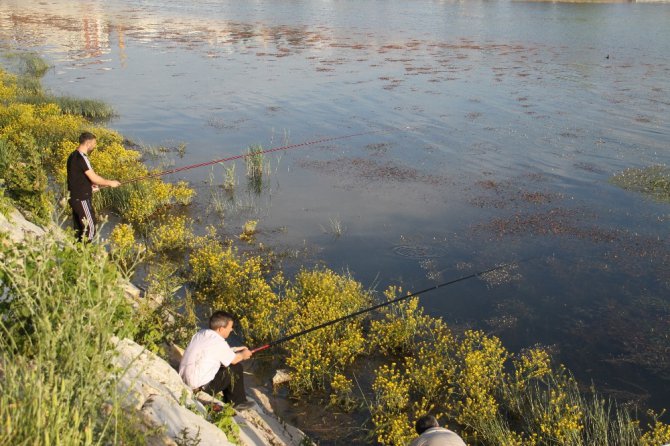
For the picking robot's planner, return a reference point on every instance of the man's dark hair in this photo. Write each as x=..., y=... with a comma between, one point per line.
x=86, y=136
x=220, y=319
x=424, y=423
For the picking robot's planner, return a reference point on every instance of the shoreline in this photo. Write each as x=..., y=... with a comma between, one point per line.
x=151, y=384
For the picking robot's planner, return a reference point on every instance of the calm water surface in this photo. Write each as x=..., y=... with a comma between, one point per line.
x=509, y=119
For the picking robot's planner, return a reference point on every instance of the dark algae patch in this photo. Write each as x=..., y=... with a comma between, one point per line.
x=365, y=169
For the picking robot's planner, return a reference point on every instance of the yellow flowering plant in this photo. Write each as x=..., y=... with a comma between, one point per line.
x=313, y=298
x=171, y=234
x=390, y=411
x=248, y=230
x=341, y=393
x=658, y=434
x=225, y=279
x=399, y=326
x=126, y=252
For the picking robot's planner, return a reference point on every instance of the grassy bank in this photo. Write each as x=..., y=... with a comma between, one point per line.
x=61, y=303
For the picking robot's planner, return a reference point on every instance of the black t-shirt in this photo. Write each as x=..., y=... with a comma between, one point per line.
x=78, y=184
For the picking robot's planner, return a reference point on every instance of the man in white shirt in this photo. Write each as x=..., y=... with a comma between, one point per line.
x=211, y=365
x=431, y=434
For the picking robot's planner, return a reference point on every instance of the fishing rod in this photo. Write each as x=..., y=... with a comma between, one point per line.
x=374, y=307
x=246, y=155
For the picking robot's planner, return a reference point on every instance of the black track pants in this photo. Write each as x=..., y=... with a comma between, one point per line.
x=230, y=381
x=83, y=217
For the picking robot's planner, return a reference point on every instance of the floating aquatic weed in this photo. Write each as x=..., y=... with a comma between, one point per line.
x=463, y=266
x=419, y=251
x=642, y=344
x=505, y=321
x=223, y=124
x=588, y=167
x=539, y=197
x=366, y=169
x=431, y=269
x=653, y=181
x=513, y=193
x=506, y=274
x=509, y=313
x=378, y=148
x=412, y=247
x=514, y=307
x=557, y=221
x=427, y=264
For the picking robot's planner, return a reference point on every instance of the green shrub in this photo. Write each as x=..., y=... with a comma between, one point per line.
x=173, y=320
x=24, y=179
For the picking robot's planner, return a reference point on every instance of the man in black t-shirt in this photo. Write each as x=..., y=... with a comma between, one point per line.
x=82, y=181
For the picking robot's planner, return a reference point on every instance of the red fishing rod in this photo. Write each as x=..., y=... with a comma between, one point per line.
x=374, y=307
x=236, y=157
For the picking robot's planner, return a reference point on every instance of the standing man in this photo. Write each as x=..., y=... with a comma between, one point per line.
x=81, y=182
x=211, y=365
x=431, y=434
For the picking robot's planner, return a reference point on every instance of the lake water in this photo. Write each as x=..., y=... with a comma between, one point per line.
x=506, y=120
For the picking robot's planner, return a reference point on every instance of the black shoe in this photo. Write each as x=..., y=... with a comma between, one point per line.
x=248, y=404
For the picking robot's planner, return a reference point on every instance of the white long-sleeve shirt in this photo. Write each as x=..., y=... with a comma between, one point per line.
x=438, y=436
x=205, y=354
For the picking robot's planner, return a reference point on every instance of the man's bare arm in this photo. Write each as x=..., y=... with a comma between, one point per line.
x=100, y=181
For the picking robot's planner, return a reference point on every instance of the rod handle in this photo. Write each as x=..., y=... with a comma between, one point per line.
x=260, y=349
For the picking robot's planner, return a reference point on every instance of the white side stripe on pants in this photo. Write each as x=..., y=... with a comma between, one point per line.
x=91, y=225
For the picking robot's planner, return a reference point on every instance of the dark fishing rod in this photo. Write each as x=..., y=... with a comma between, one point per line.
x=246, y=155
x=374, y=307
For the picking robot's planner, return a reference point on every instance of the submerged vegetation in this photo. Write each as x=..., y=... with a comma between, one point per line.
x=55, y=291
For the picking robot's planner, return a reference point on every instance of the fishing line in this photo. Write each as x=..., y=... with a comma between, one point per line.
x=374, y=307
x=262, y=152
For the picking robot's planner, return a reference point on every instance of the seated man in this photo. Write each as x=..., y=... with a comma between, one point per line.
x=431, y=434
x=211, y=365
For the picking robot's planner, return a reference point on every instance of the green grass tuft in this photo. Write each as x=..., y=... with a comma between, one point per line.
x=88, y=108
x=28, y=64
